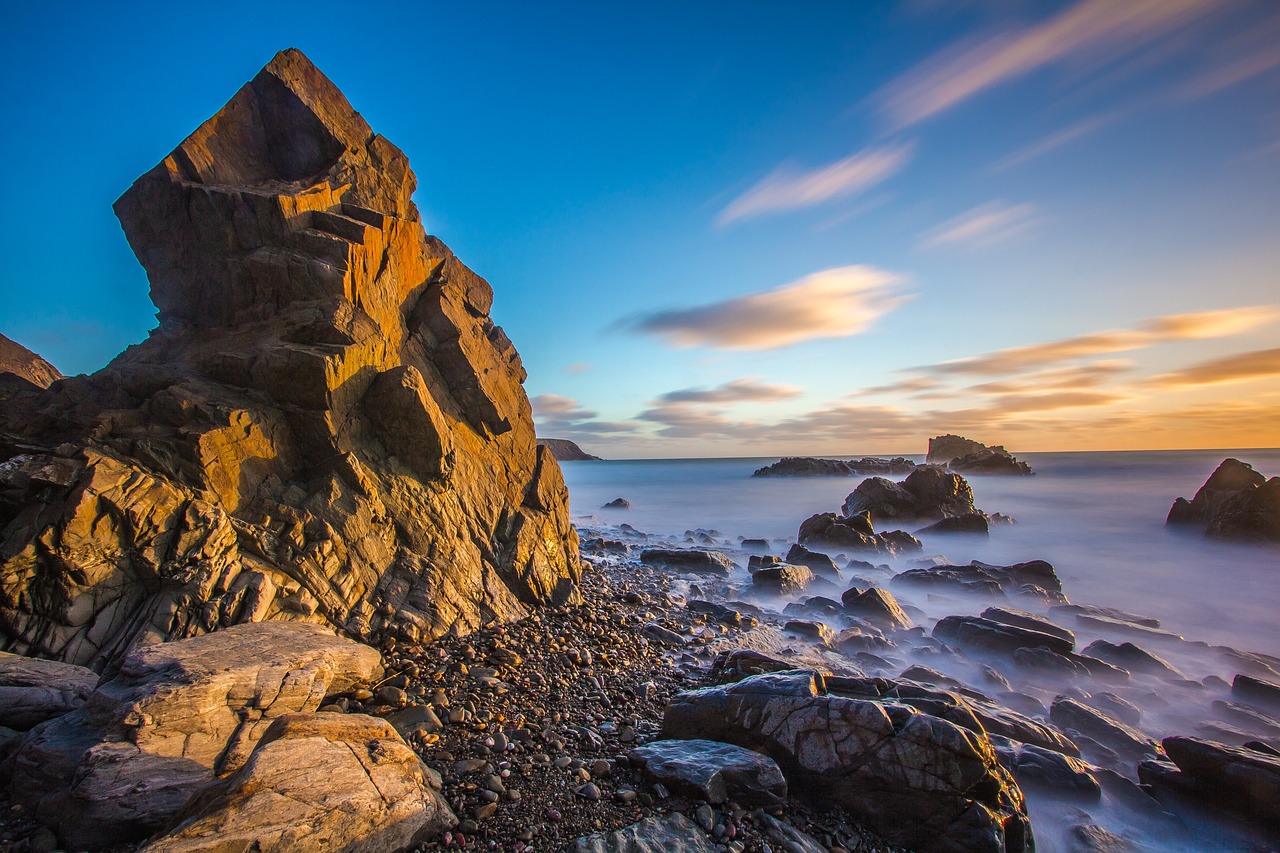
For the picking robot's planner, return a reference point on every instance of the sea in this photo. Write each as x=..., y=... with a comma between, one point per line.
x=1098, y=517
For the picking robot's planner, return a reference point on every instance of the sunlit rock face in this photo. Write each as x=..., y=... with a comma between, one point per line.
x=326, y=426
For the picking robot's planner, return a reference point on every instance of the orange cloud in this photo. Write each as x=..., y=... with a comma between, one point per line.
x=1259, y=364
x=834, y=303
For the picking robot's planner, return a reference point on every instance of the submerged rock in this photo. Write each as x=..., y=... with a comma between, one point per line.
x=325, y=426
x=1236, y=502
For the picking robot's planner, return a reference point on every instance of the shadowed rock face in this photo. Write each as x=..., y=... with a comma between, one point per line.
x=19, y=361
x=326, y=426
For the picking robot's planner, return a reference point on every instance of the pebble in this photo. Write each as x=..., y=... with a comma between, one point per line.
x=589, y=791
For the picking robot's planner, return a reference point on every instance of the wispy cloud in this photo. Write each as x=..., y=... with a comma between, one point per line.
x=787, y=188
x=1258, y=364
x=577, y=367
x=1173, y=327
x=564, y=417
x=833, y=303
x=1118, y=27
x=556, y=407
x=736, y=391
x=1052, y=142
x=1250, y=54
x=984, y=225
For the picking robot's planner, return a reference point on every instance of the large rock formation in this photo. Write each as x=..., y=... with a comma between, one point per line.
x=326, y=426
x=927, y=494
x=565, y=450
x=966, y=456
x=807, y=466
x=17, y=360
x=1236, y=502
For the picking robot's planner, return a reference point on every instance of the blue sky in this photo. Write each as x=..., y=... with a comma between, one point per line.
x=745, y=228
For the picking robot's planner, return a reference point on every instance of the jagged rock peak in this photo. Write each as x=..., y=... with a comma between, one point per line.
x=17, y=360
x=327, y=426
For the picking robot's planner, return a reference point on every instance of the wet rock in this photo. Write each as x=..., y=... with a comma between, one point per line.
x=877, y=606
x=984, y=579
x=1125, y=740
x=990, y=461
x=699, y=561
x=326, y=401
x=975, y=632
x=617, y=503
x=854, y=532
x=1037, y=767
x=1239, y=779
x=811, y=630
x=713, y=771
x=920, y=781
x=736, y=664
x=782, y=579
x=283, y=798
x=1117, y=707
x=1023, y=619
x=1090, y=838
x=1255, y=690
x=721, y=613
x=1049, y=663
x=1131, y=657
x=789, y=838
x=927, y=494
x=1236, y=502
x=818, y=563
x=1063, y=611
x=972, y=522
x=674, y=833
x=177, y=714
x=805, y=466
x=34, y=690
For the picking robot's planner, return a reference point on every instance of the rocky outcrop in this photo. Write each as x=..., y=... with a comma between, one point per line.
x=1236, y=502
x=965, y=456
x=120, y=766
x=877, y=606
x=782, y=579
x=927, y=494
x=918, y=780
x=807, y=466
x=855, y=532
x=1240, y=779
x=1035, y=578
x=325, y=427
x=316, y=783
x=34, y=690
x=18, y=361
x=567, y=451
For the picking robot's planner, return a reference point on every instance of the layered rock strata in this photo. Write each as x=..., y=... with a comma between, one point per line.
x=326, y=426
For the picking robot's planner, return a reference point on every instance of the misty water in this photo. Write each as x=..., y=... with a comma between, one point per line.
x=1097, y=517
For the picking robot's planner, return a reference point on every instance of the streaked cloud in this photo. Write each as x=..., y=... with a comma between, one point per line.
x=834, y=303
x=1173, y=327
x=984, y=225
x=1250, y=54
x=564, y=417
x=787, y=188
x=1114, y=27
x=736, y=391
x=1052, y=142
x=556, y=407
x=1258, y=364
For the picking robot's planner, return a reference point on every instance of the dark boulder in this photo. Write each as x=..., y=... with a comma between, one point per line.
x=806, y=466
x=973, y=522
x=693, y=560
x=927, y=494
x=1236, y=502
x=713, y=771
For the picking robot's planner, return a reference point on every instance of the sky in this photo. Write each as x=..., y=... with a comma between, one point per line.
x=745, y=229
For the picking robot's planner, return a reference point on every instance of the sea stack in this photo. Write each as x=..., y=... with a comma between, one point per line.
x=325, y=427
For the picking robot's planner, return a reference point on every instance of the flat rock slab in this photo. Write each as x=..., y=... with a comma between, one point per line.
x=714, y=771
x=315, y=783
x=34, y=690
x=672, y=834
x=121, y=766
x=699, y=561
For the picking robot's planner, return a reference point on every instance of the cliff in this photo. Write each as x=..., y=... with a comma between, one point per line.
x=566, y=451
x=17, y=360
x=325, y=427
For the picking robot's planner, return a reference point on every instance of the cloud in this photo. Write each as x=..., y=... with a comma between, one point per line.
x=1258, y=364
x=1249, y=55
x=1052, y=142
x=736, y=391
x=1117, y=27
x=984, y=225
x=555, y=407
x=834, y=303
x=578, y=367
x=788, y=189
x=1173, y=327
